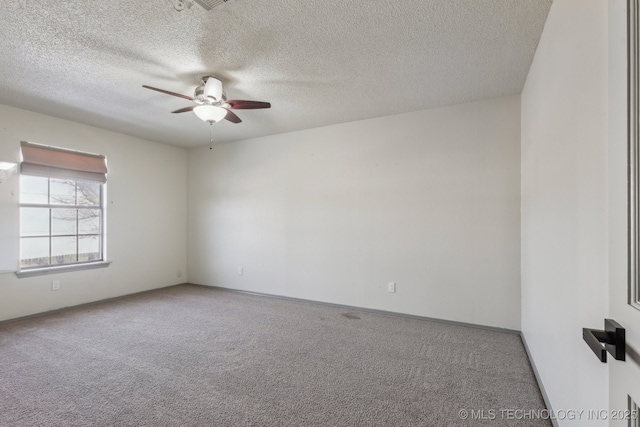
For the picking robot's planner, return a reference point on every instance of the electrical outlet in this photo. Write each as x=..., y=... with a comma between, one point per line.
x=391, y=287
x=55, y=285
x=179, y=273
x=240, y=271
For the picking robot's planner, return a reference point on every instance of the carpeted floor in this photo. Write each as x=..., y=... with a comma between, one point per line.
x=195, y=356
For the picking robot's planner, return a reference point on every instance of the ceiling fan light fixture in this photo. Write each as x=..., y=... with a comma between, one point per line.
x=210, y=113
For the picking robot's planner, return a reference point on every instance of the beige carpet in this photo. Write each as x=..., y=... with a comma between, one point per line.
x=196, y=356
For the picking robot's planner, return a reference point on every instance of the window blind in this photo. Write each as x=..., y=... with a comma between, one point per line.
x=52, y=162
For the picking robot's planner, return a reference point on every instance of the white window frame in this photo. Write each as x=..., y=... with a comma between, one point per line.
x=69, y=266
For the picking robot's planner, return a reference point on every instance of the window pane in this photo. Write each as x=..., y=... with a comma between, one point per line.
x=63, y=191
x=88, y=221
x=63, y=250
x=89, y=248
x=34, y=252
x=88, y=193
x=64, y=221
x=34, y=222
x=34, y=189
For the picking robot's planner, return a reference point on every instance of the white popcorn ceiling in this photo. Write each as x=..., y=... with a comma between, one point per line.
x=317, y=62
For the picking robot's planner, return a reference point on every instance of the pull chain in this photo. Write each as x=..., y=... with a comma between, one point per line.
x=211, y=135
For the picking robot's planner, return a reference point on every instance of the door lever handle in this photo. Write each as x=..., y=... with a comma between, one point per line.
x=613, y=338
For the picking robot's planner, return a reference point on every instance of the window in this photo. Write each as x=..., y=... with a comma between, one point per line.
x=61, y=208
x=60, y=221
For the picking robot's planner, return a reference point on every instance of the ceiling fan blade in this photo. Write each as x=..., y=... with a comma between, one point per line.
x=169, y=93
x=185, y=109
x=237, y=104
x=213, y=88
x=232, y=117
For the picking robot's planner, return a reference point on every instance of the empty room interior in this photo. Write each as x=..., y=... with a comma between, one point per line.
x=319, y=213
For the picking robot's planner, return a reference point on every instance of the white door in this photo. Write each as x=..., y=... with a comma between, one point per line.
x=624, y=211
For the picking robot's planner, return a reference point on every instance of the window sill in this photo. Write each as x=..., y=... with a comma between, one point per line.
x=61, y=269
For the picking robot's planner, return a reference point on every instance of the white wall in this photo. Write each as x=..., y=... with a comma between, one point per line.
x=564, y=204
x=429, y=200
x=146, y=215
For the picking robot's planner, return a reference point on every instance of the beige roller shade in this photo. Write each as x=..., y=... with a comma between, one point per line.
x=41, y=160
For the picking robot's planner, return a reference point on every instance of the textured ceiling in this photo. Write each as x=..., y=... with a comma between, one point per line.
x=317, y=62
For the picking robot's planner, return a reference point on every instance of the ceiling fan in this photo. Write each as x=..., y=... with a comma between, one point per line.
x=211, y=102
